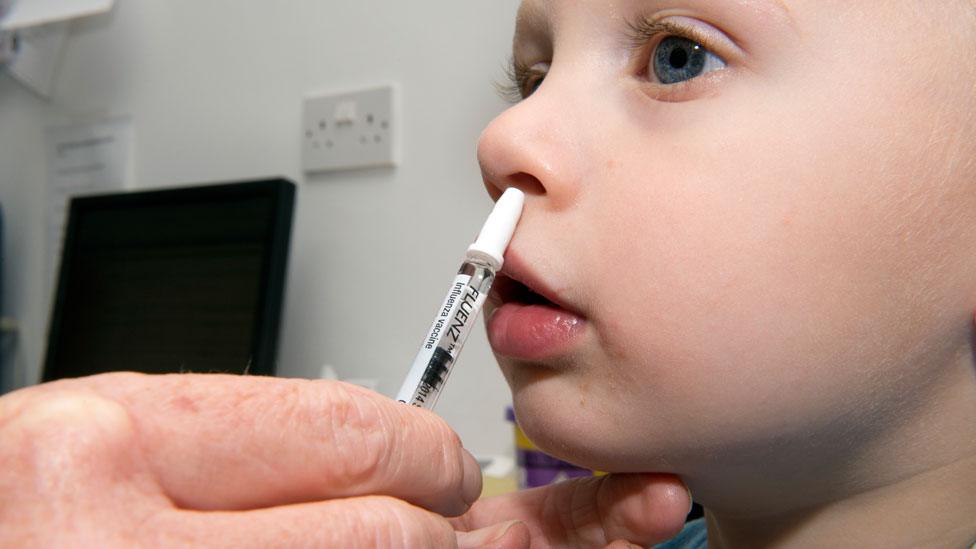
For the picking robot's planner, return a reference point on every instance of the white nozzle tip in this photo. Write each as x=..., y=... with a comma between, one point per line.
x=499, y=227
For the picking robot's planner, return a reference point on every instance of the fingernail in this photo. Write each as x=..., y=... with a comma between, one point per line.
x=485, y=536
x=471, y=483
x=691, y=501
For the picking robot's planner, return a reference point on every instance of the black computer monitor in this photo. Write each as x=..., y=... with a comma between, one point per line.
x=188, y=279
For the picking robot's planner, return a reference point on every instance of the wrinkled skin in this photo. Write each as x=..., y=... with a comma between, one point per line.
x=129, y=460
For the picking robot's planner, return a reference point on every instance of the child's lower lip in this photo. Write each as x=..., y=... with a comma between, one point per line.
x=533, y=332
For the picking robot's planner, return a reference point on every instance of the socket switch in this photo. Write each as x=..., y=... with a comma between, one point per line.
x=351, y=130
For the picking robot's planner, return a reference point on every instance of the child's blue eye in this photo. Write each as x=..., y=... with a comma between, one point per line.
x=676, y=59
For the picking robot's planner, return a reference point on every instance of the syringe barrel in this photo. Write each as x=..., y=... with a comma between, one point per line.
x=447, y=334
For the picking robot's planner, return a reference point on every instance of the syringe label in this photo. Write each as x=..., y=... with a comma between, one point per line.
x=444, y=315
x=445, y=338
x=411, y=385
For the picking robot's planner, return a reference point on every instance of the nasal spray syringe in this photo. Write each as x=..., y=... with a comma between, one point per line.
x=454, y=319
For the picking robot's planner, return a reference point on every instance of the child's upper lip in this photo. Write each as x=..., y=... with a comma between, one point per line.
x=517, y=268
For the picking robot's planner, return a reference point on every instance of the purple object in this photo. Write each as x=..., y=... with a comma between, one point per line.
x=536, y=468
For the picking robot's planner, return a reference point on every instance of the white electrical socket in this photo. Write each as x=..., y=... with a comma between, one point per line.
x=351, y=130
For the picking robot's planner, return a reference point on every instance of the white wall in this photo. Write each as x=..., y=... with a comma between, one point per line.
x=214, y=88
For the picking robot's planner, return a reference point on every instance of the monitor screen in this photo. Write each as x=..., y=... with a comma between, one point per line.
x=177, y=280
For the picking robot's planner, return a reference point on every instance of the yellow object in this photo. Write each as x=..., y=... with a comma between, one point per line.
x=495, y=486
x=522, y=442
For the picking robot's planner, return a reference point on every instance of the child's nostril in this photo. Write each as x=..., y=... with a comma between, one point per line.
x=527, y=183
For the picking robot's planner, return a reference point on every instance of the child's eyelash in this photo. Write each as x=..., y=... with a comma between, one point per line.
x=643, y=30
x=517, y=79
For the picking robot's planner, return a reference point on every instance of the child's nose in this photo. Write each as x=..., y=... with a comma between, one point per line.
x=532, y=146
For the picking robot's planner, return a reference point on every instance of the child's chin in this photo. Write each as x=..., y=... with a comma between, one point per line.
x=581, y=437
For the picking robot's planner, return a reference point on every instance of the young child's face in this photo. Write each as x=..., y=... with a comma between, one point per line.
x=759, y=244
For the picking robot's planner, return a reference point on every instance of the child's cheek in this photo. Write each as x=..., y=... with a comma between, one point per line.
x=774, y=287
x=789, y=259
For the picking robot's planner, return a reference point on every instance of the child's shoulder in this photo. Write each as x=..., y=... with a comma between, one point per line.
x=693, y=536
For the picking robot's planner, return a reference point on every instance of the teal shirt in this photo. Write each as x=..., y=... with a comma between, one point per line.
x=693, y=536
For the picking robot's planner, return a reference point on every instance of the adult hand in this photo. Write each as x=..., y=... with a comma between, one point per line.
x=210, y=460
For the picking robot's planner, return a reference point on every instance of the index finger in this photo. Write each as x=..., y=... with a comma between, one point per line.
x=232, y=442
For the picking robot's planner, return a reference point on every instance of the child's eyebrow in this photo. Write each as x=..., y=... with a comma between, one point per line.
x=531, y=15
x=775, y=8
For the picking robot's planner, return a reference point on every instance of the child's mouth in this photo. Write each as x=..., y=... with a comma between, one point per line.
x=526, y=324
x=512, y=291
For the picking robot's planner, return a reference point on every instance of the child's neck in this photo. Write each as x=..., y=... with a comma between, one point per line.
x=936, y=508
x=912, y=486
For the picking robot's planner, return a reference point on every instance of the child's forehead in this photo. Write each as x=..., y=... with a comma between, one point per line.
x=542, y=17
x=541, y=21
